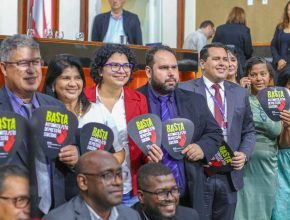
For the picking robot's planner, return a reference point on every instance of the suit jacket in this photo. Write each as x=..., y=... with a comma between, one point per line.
x=135, y=105
x=238, y=35
x=207, y=135
x=22, y=157
x=131, y=26
x=76, y=209
x=182, y=213
x=241, y=130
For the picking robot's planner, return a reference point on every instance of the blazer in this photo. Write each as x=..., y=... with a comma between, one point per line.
x=135, y=105
x=241, y=129
x=182, y=213
x=76, y=209
x=207, y=135
x=131, y=26
x=238, y=35
x=59, y=170
x=276, y=46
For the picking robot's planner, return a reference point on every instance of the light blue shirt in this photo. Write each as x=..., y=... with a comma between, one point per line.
x=115, y=30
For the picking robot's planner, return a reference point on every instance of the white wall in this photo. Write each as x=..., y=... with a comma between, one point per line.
x=169, y=22
x=69, y=18
x=190, y=17
x=8, y=17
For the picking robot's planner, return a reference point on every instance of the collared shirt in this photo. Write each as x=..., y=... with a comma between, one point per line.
x=211, y=103
x=17, y=103
x=172, y=107
x=94, y=216
x=195, y=40
x=116, y=120
x=115, y=30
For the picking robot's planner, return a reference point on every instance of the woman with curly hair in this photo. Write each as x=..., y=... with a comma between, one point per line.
x=111, y=70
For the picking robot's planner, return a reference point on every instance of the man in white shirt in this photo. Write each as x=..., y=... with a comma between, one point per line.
x=198, y=39
x=100, y=182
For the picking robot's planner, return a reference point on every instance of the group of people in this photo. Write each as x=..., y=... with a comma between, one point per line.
x=222, y=105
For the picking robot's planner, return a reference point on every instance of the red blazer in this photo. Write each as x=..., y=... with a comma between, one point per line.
x=135, y=105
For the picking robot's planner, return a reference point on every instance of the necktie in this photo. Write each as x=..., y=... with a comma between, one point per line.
x=42, y=174
x=217, y=111
x=167, y=160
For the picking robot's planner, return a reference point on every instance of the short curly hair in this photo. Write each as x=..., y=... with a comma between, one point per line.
x=104, y=53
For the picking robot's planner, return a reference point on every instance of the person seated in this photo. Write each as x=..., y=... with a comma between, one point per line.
x=112, y=68
x=14, y=193
x=100, y=181
x=110, y=26
x=159, y=195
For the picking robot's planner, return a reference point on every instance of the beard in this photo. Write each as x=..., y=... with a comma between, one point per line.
x=162, y=88
x=158, y=216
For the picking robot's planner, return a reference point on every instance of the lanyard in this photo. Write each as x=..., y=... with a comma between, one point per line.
x=221, y=108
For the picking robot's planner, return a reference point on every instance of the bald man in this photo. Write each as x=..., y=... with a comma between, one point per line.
x=100, y=182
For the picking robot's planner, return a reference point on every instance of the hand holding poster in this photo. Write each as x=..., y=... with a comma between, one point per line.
x=145, y=130
x=273, y=101
x=96, y=136
x=54, y=127
x=221, y=161
x=177, y=134
x=12, y=132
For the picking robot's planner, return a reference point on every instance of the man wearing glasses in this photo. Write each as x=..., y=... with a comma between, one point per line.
x=100, y=182
x=14, y=193
x=159, y=195
x=21, y=66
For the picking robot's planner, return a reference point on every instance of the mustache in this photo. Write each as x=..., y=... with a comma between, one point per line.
x=170, y=79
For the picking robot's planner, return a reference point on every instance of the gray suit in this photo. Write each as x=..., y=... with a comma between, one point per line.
x=76, y=209
x=241, y=130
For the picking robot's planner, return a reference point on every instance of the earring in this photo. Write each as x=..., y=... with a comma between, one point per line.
x=52, y=88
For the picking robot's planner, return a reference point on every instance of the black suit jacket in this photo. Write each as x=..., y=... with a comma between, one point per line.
x=276, y=46
x=131, y=26
x=23, y=157
x=182, y=213
x=238, y=35
x=207, y=135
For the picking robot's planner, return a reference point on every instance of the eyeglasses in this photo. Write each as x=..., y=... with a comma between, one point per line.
x=24, y=64
x=163, y=194
x=19, y=202
x=110, y=176
x=115, y=67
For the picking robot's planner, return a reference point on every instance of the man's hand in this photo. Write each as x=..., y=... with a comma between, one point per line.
x=69, y=155
x=239, y=160
x=155, y=154
x=281, y=64
x=193, y=152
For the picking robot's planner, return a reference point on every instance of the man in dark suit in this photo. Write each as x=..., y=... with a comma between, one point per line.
x=21, y=66
x=109, y=26
x=100, y=182
x=159, y=195
x=236, y=123
x=162, y=73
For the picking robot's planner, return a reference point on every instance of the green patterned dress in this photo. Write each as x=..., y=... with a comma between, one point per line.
x=256, y=199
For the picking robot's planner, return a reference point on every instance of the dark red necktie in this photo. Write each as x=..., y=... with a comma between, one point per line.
x=217, y=111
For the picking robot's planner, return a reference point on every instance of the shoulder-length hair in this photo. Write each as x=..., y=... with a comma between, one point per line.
x=285, y=19
x=236, y=16
x=56, y=67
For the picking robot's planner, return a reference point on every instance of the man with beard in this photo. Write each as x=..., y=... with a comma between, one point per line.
x=168, y=101
x=159, y=195
x=230, y=105
x=100, y=181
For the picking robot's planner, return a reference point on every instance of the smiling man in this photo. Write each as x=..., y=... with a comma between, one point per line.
x=110, y=26
x=159, y=195
x=229, y=104
x=100, y=182
x=21, y=66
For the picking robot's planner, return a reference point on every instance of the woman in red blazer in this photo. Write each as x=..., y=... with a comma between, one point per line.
x=111, y=71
